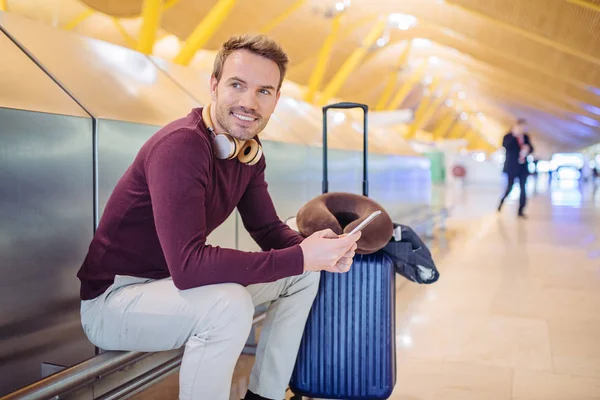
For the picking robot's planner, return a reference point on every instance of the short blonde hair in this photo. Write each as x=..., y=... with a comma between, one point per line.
x=258, y=44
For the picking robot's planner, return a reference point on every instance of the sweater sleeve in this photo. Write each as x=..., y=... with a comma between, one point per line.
x=177, y=175
x=260, y=218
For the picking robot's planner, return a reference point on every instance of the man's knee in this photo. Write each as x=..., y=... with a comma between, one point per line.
x=308, y=283
x=233, y=309
x=313, y=280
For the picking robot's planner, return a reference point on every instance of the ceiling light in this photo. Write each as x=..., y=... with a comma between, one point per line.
x=402, y=21
x=592, y=109
x=421, y=43
x=449, y=102
x=463, y=116
x=381, y=41
x=587, y=120
x=594, y=90
x=462, y=95
x=434, y=60
x=341, y=5
x=339, y=117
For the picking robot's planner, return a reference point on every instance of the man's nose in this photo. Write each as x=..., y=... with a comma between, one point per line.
x=249, y=100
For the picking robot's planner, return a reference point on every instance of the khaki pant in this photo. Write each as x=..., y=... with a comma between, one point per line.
x=212, y=322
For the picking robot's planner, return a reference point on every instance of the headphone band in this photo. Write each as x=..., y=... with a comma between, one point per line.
x=208, y=120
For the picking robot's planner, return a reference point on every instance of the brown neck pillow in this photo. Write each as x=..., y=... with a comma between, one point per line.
x=341, y=212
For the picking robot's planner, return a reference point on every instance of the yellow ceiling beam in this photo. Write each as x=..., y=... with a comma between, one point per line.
x=563, y=98
x=352, y=62
x=446, y=122
x=168, y=4
x=476, y=142
x=131, y=42
x=510, y=80
x=282, y=17
x=151, y=14
x=586, y=4
x=323, y=61
x=530, y=35
x=204, y=31
x=429, y=112
x=393, y=78
x=548, y=94
x=535, y=101
x=78, y=19
x=451, y=128
x=497, y=51
x=426, y=108
x=3, y=5
x=458, y=131
x=407, y=87
x=508, y=93
x=573, y=107
x=344, y=34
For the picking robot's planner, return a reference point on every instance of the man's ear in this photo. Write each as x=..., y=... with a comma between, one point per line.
x=213, y=87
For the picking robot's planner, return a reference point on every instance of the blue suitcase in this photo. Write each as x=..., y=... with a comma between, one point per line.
x=348, y=347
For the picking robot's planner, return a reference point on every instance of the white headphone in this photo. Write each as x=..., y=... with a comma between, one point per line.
x=227, y=147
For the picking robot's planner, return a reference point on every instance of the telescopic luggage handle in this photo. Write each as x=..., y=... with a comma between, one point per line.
x=346, y=105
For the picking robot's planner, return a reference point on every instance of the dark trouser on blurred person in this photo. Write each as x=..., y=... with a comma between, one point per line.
x=522, y=198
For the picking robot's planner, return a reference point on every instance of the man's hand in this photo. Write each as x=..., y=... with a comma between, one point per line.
x=326, y=251
x=344, y=263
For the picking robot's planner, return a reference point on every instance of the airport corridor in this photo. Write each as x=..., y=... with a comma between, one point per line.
x=515, y=312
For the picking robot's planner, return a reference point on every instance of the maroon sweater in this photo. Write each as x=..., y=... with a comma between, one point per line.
x=175, y=193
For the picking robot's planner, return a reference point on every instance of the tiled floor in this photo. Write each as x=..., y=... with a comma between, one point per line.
x=516, y=313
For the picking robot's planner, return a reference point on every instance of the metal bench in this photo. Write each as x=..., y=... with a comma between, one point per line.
x=68, y=382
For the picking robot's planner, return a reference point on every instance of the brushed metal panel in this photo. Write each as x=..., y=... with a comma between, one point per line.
x=24, y=86
x=111, y=81
x=118, y=144
x=45, y=230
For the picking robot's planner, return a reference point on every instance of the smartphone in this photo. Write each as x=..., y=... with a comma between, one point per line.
x=366, y=222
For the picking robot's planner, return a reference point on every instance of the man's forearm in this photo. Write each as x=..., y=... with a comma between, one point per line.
x=276, y=235
x=207, y=265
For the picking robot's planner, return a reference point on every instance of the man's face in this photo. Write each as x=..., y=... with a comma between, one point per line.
x=519, y=129
x=246, y=95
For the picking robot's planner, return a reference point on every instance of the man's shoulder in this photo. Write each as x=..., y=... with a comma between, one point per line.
x=186, y=132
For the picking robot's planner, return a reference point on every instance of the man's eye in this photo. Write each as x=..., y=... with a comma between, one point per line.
x=265, y=91
x=236, y=85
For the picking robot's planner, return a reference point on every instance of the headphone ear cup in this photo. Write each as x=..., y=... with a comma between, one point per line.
x=226, y=147
x=250, y=153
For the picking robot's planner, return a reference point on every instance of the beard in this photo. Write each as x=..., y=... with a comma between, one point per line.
x=237, y=128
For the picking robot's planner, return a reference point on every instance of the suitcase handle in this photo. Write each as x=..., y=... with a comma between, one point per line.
x=346, y=105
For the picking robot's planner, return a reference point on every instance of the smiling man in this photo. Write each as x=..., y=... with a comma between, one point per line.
x=151, y=282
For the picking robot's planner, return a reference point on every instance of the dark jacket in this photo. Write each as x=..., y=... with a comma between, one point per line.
x=511, y=164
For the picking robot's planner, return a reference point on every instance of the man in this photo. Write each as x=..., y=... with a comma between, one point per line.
x=518, y=147
x=150, y=282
